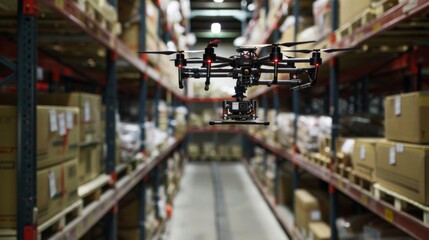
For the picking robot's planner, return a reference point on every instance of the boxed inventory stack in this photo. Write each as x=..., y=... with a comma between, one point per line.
x=90, y=130
x=57, y=165
x=403, y=159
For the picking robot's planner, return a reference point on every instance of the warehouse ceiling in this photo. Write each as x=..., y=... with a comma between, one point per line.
x=231, y=15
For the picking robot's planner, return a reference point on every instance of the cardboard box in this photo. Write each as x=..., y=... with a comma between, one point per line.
x=404, y=168
x=364, y=158
x=319, y=231
x=350, y=9
x=89, y=162
x=89, y=106
x=56, y=189
x=407, y=117
x=322, y=12
x=57, y=134
x=306, y=209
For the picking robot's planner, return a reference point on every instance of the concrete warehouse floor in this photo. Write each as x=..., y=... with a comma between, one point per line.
x=220, y=201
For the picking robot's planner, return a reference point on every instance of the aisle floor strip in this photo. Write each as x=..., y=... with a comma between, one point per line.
x=222, y=225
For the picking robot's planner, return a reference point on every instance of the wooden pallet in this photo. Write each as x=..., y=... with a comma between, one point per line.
x=361, y=20
x=361, y=182
x=103, y=16
x=343, y=170
x=320, y=160
x=52, y=225
x=402, y=203
x=376, y=10
x=91, y=191
x=60, y=220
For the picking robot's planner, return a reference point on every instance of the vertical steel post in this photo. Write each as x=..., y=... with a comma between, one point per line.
x=142, y=116
x=142, y=213
x=27, y=122
x=365, y=95
x=244, y=20
x=295, y=94
x=111, y=105
x=155, y=182
x=326, y=101
x=171, y=122
x=156, y=105
x=419, y=77
x=334, y=82
x=356, y=98
x=277, y=179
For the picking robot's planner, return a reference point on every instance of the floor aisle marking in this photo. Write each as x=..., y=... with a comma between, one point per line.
x=222, y=225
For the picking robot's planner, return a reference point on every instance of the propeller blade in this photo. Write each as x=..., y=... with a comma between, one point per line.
x=300, y=51
x=291, y=44
x=327, y=50
x=158, y=52
x=330, y=50
x=284, y=44
x=171, y=52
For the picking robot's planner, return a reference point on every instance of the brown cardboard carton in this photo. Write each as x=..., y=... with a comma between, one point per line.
x=89, y=162
x=90, y=107
x=364, y=157
x=319, y=231
x=56, y=189
x=306, y=209
x=407, y=117
x=56, y=142
x=71, y=182
x=404, y=168
x=350, y=9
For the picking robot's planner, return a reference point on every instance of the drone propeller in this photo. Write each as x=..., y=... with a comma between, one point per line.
x=327, y=50
x=284, y=44
x=171, y=52
x=191, y=58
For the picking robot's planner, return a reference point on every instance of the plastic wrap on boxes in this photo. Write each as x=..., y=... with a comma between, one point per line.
x=310, y=128
x=285, y=129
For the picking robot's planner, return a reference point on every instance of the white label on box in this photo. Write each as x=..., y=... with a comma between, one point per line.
x=362, y=152
x=62, y=124
x=53, y=120
x=315, y=215
x=69, y=119
x=400, y=148
x=348, y=146
x=392, y=156
x=87, y=112
x=398, y=105
x=52, y=185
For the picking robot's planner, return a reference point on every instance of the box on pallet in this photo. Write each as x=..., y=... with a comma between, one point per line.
x=307, y=209
x=56, y=190
x=89, y=162
x=350, y=9
x=129, y=208
x=364, y=158
x=404, y=168
x=57, y=134
x=319, y=231
x=89, y=105
x=407, y=117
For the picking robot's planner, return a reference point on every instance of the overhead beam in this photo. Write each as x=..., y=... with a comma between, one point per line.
x=207, y=34
x=224, y=5
x=237, y=14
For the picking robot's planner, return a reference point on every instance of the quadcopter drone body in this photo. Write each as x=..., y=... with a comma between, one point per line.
x=246, y=68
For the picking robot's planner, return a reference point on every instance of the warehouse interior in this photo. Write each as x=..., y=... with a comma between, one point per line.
x=214, y=119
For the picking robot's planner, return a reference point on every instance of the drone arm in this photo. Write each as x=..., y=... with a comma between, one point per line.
x=312, y=76
x=280, y=82
x=223, y=59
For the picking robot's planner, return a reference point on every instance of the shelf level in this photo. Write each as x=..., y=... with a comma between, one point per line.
x=401, y=220
x=69, y=10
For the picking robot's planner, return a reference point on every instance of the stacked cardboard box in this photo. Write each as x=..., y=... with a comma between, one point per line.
x=57, y=136
x=403, y=162
x=129, y=216
x=319, y=231
x=90, y=128
x=307, y=209
x=364, y=158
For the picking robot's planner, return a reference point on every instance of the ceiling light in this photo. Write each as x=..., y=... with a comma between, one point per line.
x=216, y=27
x=217, y=1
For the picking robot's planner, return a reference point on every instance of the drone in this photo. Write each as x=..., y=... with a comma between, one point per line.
x=246, y=68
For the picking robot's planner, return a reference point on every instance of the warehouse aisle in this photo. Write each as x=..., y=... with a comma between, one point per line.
x=221, y=200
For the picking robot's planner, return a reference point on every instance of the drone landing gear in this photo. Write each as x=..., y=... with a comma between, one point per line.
x=238, y=123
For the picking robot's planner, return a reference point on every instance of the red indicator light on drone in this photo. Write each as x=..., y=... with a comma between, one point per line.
x=276, y=60
x=180, y=66
x=209, y=61
x=317, y=65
